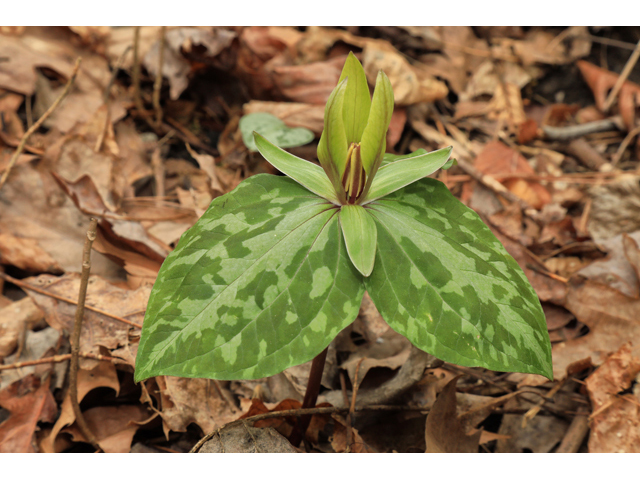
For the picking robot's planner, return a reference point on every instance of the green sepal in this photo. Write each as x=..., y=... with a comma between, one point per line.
x=360, y=236
x=374, y=135
x=452, y=162
x=357, y=99
x=260, y=283
x=305, y=173
x=445, y=282
x=404, y=172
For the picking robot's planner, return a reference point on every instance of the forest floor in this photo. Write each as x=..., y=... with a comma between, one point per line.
x=543, y=121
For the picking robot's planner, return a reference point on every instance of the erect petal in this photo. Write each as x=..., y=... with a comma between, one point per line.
x=374, y=134
x=357, y=99
x=332, y=148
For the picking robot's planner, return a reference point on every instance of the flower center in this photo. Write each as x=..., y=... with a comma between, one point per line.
x=354, y=176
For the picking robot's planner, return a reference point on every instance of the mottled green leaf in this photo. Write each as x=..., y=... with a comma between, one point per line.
x=401, y=173
x=260, y=283
x=445, y=282
x=274, y=130
x=374, y=135
x=305, y=173
x=357, y=99
x=359, y=232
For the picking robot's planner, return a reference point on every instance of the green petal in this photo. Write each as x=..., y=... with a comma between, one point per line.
x=360, y=235
x=305, y=173
x=445, y=282
x=260, y=283
x=332, y=149
x=404, y=172
x=357, y=99
x=374, y=135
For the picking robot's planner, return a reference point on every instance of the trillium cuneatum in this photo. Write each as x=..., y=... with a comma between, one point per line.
x=275, y=269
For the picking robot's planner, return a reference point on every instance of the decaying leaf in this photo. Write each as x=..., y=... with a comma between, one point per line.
x=29, y=401
x=241, y=438
x=615, y=421
x=444, y=432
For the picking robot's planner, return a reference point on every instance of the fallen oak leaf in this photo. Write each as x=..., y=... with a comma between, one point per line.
x=29, y=401
x=444, y=432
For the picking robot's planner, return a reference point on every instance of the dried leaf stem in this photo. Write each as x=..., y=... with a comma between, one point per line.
x=633, y=59
x=75, y=337
x=40, y=121
x=137, y=99
x=157, y=84
x=59, y=359
x=41, y=291
x=574, y=131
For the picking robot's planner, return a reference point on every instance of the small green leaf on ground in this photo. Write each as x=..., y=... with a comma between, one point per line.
x=274, y=130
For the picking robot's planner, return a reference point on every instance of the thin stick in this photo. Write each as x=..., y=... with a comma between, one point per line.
x=623, y=146
x=28, y=102
x=157, y=84
x=137, y=99
x=622, y=78
x=310, y=397
x=75, y=337
x=41, y=291
x=40, y=121
x=575, y=131
x=59, y=359
x=576, y=432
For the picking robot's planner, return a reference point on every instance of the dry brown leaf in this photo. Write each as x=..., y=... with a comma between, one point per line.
x=541, y=434
x=193, y=400
x=619, y=269
x=29, y=401
x=98, y=330
x=411, y=83
x=26, y=254
x=615, y=421
x=612, y=317
x=103, y=375
x=444, y=431
x=339, y=438
x=615, y=208
x=181, y=45
x=497, y=158
x=283, y=425
x=601, y=82
x=113, y=426
x=15, y=318
x=293, y=114
x=241, y=438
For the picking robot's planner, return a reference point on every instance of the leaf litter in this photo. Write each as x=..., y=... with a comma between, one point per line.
x=519, y=106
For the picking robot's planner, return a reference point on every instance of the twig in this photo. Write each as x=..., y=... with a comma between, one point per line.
x=588, y=156
x=576, y=433
x=75, y=337
x=137, y=99
x=573, y=131
x=158, y=174
x=59, y=359
x=345, y=399
x=300, y=412
x=40, y=121
x=28, y=100
x=608, y=41
x=41, y=291
x=536, y=409
x=622, y=78
x=623, y=146
x=157, y=84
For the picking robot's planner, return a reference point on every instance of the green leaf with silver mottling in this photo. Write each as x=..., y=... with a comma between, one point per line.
x=307, y=174
x=445, y=282
x=399, y=174
x=261, y=282
x=274, y=130
x=357, y=99
x=359, y=232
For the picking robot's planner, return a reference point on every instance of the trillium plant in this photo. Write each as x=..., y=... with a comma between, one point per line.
x=275, y=269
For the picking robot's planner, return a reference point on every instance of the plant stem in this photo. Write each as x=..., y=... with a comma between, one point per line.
x=310, y=397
